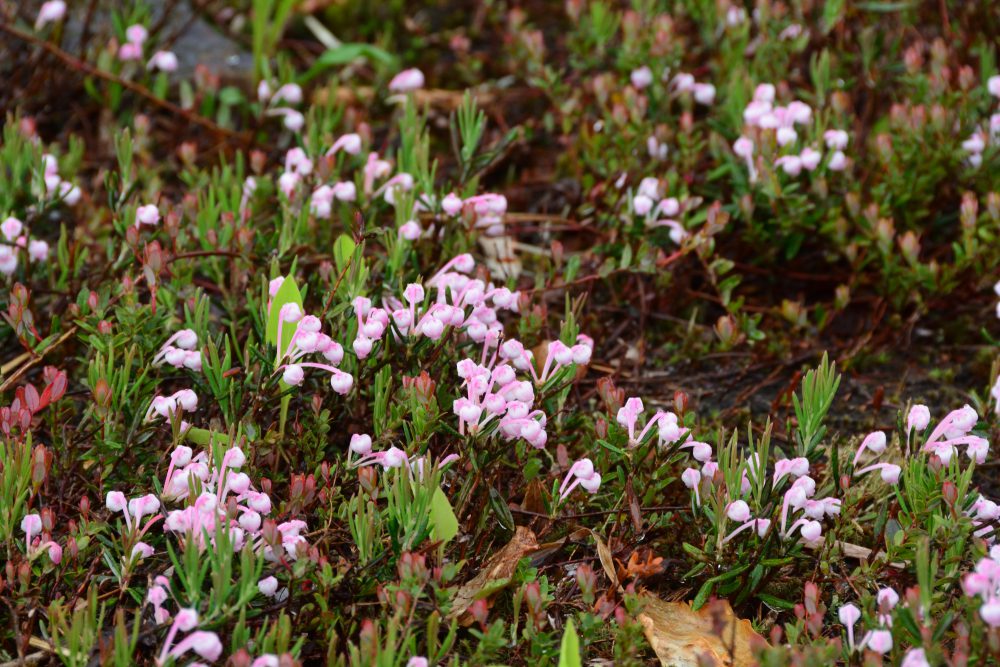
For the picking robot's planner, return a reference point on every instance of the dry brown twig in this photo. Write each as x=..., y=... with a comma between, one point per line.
x=86, y=68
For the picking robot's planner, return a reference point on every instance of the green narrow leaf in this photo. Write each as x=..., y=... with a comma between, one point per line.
x=444, y=523
x=343, y=251
x=287, y=293
x=344, y=54
x=203, y=437
x=569, y=651
x=703, y=594
x=775, y=602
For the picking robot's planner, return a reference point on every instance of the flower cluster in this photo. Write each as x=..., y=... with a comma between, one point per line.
x=879, y=638
x=308, y=339
x=668, y=428
x=876, y=443
x=799, y=497
x=220, y=496
x=206, y=644
x=14, y=239
x=766, y=122
x=496, y=393
x=279, y=103
x=975, y=144
x=953, y=431
x=166, y=406
x=984, y=582
x=180, y=351
x=38, y=540
x=657, y=210
x=135, y=38
x=134, y=530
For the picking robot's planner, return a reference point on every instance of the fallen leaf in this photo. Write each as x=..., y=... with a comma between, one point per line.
x=495, y=573
x=681, y=637
x=533, y=501
x=607, y=560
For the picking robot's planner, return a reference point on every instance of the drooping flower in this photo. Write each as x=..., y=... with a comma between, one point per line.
x=581, y=473
x=406, y=81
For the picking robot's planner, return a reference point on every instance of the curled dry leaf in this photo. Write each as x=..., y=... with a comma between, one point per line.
x=495, y=575
x=681, y=637
x=607, y=560
x=638, y=566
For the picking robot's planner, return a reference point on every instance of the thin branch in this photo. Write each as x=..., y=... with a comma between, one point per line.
x=86, y=68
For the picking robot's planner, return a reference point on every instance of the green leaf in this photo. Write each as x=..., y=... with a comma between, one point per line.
x=203, y=437
x=501, y=510
x=610, y=447
x=287, y=293
x=343, y=251
x=703, y=594
x=774, y=602
x=344, y=54
x=444, y=523
x=569, y=651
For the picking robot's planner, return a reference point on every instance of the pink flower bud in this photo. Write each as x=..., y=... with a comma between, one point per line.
x=642, y=204
x=147, y=215
x=38, y=250
x=407, y=80
x=115, y=501
x=290, y=93
x=874, y=442
x=990, y=612
x=641, y=77
x=361, y=443
x=341, y=382
x=451, y=204
x=879, y=641
x=186, y=619
x=349, y=143
x=790, y=164
x=50, y=12
x=268, y=586
x=743, y=147
x=410, y=231
x=849, y=615
x=887, y=598
x=810, y=158
x=142, y=550
x=691, y=478
x=293, y=375
x=811, y=530
x=129, y=51
x=590, y=484
x=31, y=524
x=738, y=511
x=164, y=61
x=704, y=93
x=11, y=228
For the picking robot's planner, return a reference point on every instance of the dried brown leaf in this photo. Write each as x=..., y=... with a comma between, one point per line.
x=494, y=574
x=607, y=560
x=681, y=637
